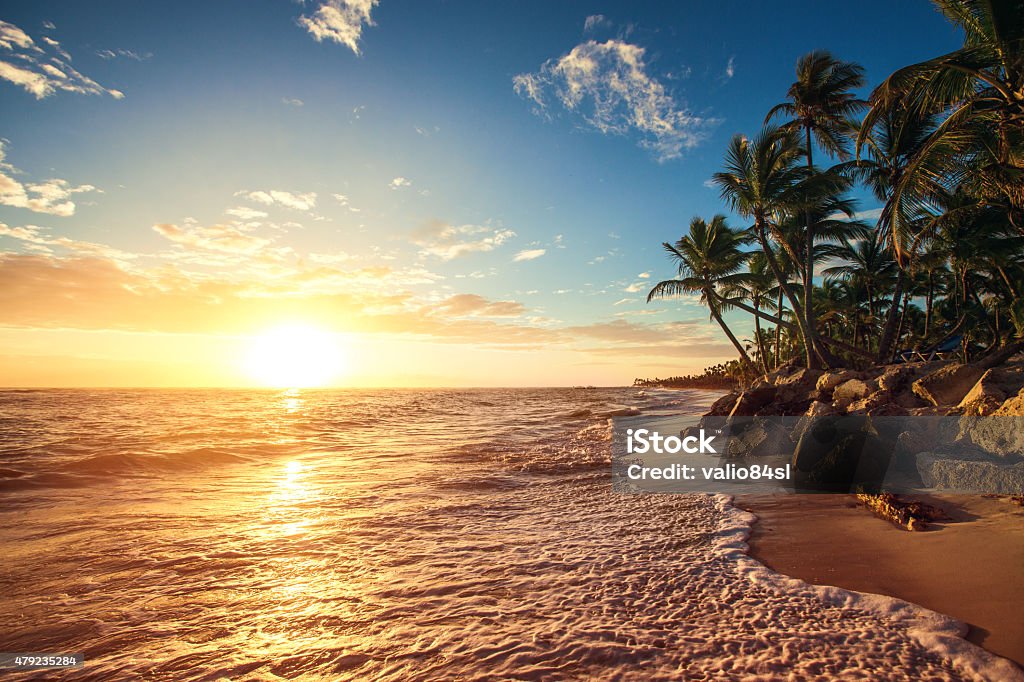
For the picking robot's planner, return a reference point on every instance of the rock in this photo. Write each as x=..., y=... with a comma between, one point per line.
x=993, y=389
x=886, y=408
x=895, y=378
x=849, y=391
x=908, y=400
x=829, y=380
x=749, y=402
x=820, y=409
x=758, y=438
x=1014, y=407
x=973, y=476
x=837, y=454
x=723, y=406
x=947, y=385
x=800, y=377
x=1001, y=435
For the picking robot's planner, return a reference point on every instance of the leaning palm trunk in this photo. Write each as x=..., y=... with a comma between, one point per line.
x=773, y=263
x=891, y=319
x=732, y=337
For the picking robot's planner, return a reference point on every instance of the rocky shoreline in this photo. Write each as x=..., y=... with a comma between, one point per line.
x=968, y=448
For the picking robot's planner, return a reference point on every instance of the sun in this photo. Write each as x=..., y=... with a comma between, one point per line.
x=295, y=356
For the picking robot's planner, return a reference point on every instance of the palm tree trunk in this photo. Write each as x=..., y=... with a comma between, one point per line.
x=760, y=339
x=728, y=332
x=811, y=333
x=890, y=319
x=773, y=263
x=778, y=331
x=929, y=301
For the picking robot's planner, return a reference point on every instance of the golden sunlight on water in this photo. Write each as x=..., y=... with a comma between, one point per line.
x=392, y=535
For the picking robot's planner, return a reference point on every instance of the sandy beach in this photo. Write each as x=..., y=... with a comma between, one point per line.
x=969, y=567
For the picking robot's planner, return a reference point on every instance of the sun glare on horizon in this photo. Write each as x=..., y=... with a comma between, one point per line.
x=295, y=356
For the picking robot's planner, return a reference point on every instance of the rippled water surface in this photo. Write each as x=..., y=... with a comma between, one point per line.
x=399, y=535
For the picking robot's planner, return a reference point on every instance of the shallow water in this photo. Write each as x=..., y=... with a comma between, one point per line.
x=397, y=535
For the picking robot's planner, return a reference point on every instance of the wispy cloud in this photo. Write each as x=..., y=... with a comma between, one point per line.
x=246, y=213
x=446, y=241
x=231, y=237
x=399, y=182
x=529, y=254
x=40, y=70
x=122, y=53
x=730, y=68
x=594, y=22
x=294, y=200
x=608, y=86
x=341, y=21
x=52, y=196
x=344, y=201
x=292, y=101
x=472, y=305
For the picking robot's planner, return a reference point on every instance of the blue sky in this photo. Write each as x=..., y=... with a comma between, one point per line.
x=413, y=174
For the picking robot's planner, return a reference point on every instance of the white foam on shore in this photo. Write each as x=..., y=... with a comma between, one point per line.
x=935, y=631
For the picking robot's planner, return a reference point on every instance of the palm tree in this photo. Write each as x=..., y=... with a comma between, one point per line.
x=758, y=288
x=866, y=263
x=763, y=181
x=707, y=258
x=821, y=106
x=891, y=145
x=979, y=91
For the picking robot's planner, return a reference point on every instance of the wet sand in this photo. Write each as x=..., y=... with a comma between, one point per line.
x=971, y=567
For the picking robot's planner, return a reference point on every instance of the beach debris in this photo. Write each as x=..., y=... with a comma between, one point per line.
x=912, y=515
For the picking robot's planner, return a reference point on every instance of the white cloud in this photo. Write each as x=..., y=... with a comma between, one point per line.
x=635, y=287
x=50, y=196
x=399, y=182
x=226, y=238
x=529, y=254
x=594, y=22
x=608, y=86
x=246, y=213
x=42, y=71
x=644, y=275
x=292, y=101
x=446, y=241
x=341, y=21
x=344, y=201
x=299, y=202
x=119, y=52
x=730, y=68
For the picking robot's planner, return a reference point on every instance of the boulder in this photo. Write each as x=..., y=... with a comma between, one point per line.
x=849, y=391
x=1014, y=407
x=723, y=406
x=969, y=475
x=749, y=402
x=895, y=378
x=947, y=385
x=829, y=380
x=1001, y=435
x=994, y=388
x=802, y=377
x=908, y=400
x=820, y=409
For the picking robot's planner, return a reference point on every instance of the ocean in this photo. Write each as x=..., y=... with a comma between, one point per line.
x=399, y=535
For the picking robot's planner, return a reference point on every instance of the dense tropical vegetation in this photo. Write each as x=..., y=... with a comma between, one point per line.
x=940, y=145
